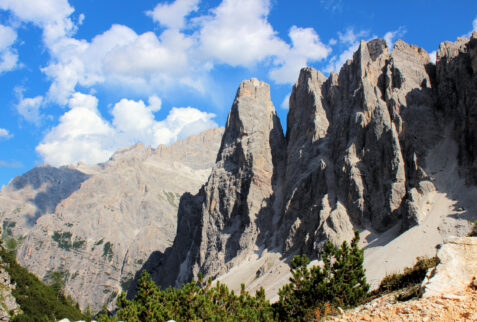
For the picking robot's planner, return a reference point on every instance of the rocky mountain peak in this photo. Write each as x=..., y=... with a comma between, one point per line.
x=223, y=223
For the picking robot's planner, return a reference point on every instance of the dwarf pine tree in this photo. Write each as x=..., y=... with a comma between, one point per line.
x=341, y=281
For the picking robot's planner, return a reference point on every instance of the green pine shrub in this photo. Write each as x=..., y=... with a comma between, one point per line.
x=195, y=301
x=317, y=291
x=409, y=278
x=38, y=301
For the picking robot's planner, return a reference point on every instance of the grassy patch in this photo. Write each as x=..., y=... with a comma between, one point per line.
x=409, y=279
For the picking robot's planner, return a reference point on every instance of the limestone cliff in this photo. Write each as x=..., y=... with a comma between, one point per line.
x=382, y=147
x=98, y=225
x=232, y=212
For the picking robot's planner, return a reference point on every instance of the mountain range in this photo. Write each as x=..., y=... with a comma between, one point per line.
x=388, y=147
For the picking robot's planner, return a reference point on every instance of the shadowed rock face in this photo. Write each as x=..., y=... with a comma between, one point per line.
x=354, y=157
x=355, y=145
x=98, y=225
x=221, y=225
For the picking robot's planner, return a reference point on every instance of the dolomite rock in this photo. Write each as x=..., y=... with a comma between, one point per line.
x=8, y=304
x=99, y=225
x=226, y=220
x=456, y=270
x=355, y=146
x=368, y=148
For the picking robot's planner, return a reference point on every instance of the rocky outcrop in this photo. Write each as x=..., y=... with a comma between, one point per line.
x=8, y=304
x=371, y=148
x=356, y=143
x=233, y=211
x=457, y=98
x=98, y=225
x=456, y=270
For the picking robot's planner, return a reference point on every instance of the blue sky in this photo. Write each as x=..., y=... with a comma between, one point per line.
x=81, y=78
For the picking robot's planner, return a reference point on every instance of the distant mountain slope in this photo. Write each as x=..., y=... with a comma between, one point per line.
x=99, y=224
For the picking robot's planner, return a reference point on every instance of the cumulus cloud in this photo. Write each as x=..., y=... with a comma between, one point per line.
x=238, y=33
x=286, y=102
x=50, y=15
x=8, y=56
x=433, y=56
x=4, y=134
x=391, y=35
x=306, y=46
x=29, y=108
x=350, y=36
x=172, y=15
x=351, y=39
x=474, y=24
x=84, y=135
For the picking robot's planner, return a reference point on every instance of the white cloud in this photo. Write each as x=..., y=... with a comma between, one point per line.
x=433, y=56
x=83, y=135
x=172, y=15
x=286, y=102
x=51, y=15
x=29, y=108
x=306, y=46
x=8, y=56
x=5, y=134
x=391, y=35
x=474, y=24
x=350, y=37
x=238, y=33
x=337, y=61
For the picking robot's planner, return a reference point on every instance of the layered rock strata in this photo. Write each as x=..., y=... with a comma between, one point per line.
x=223, y=223
x=364, y=149
x=98, y=225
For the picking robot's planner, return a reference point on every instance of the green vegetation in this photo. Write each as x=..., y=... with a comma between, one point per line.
x=108, y=251
x=311, y=293
x=63, y=239
x=408, y=281
x=194, y=301
x=7, y=227
x=39, y=302
x=170, y=198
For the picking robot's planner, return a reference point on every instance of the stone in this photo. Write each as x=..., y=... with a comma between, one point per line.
x=223, y=224
x=100, y=224
x=457, y=267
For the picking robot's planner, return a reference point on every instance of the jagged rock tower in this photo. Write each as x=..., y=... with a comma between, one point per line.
x=364, y=149
x=232, y=212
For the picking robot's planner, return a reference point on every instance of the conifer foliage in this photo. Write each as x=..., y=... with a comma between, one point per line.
x=310, y=293
x=195, y=301
x=341, y=281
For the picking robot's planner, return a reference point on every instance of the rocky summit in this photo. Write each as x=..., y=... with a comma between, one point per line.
x=388, y=147
x=98, y=225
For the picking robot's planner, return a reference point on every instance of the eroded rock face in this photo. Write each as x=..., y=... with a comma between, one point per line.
x=356, y=142
x=355, y=157
x=456, y=270
x=222, y=224
x=457, y=98
x=98, y=225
